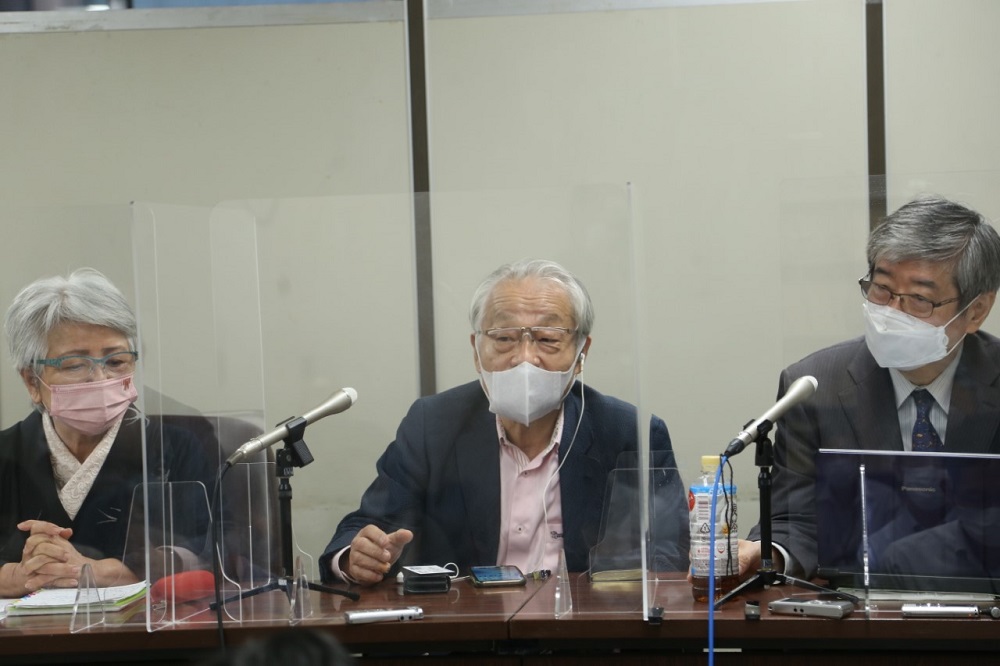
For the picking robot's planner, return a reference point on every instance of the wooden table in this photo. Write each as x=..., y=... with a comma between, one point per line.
x=504, y=627
x=609, y=616
x=465, y=620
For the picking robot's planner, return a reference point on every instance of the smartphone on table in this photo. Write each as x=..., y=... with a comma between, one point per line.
x=496, y=576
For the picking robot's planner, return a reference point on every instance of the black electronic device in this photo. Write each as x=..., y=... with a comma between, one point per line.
x=425, y=579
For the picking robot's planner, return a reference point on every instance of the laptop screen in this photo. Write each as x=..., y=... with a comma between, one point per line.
x=926, y=521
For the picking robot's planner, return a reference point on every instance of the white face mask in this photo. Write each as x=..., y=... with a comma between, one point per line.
x=526, y=392
x=902, y=341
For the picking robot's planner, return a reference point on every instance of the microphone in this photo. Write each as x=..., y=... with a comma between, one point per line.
x=338, y=402
x=801, y=388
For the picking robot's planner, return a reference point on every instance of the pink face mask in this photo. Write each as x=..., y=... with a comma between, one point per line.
x=92, y=407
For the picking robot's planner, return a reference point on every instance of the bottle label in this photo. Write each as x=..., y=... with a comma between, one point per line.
x=726, y=559
x=725, y=550
x=700, y=512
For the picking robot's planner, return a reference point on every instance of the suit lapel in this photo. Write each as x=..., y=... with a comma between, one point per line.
x=974, y=413
x=581, y=478
x=478, y=460
x=870, y=406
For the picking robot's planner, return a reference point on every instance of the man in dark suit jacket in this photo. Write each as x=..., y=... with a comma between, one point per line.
x=510, y=469
x=934, y=270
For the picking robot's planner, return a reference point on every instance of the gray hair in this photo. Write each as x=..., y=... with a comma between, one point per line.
x=583, y=307
x=83, y=297
x=937, y=230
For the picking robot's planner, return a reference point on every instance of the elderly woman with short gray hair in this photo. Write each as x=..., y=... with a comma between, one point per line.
x=69, y=470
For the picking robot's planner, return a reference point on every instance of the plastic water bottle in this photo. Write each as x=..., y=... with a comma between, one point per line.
x=726, y=548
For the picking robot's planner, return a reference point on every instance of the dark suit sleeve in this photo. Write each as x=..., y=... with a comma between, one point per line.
x=394, y=500
x=669, y=507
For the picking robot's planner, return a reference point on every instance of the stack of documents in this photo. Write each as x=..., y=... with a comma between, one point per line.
x=53, y=601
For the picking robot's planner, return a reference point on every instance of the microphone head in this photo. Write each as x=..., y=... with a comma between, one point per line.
x=807, y=384
x=335, y=404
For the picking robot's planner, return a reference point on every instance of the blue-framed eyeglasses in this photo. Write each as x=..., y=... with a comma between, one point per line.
x=117, y=364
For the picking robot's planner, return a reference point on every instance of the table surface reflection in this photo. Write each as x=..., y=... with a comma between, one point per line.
x=612, y=612
x=474, y=620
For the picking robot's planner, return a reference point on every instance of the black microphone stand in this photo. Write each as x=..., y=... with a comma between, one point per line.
x=766, y=575
x=293, y=454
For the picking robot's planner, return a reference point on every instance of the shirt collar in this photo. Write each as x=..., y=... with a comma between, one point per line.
x=940, y=388
x=553, y=443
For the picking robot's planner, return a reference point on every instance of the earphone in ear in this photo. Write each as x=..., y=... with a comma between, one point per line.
x=583, y=357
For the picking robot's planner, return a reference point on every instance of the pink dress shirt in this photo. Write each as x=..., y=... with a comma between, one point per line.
x=530, y=505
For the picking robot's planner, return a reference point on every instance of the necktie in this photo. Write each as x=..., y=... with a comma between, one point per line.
x=925, y=437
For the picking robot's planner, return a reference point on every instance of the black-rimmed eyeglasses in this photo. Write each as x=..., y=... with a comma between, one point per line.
x=912, y=304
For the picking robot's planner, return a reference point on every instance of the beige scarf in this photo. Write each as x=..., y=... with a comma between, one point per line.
x=74, y=479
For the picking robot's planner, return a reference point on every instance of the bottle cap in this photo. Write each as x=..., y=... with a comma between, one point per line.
x=709, y=463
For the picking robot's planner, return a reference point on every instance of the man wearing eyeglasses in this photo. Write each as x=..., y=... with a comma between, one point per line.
x=512, y=468
x=923, y=378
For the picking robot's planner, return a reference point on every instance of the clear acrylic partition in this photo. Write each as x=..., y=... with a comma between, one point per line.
x=591, y=232
x=284, y=299
x=897, y=527
x=820, y=246
x=337, y=311
x=928, y=526
x=201, y=363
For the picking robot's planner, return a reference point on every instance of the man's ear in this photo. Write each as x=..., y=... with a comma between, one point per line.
x=582, y=356
x=978, y=311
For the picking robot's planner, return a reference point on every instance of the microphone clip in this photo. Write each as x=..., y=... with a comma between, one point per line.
x=295, y=452
x=763, y=429
x=764, y=454
x=749, y=435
